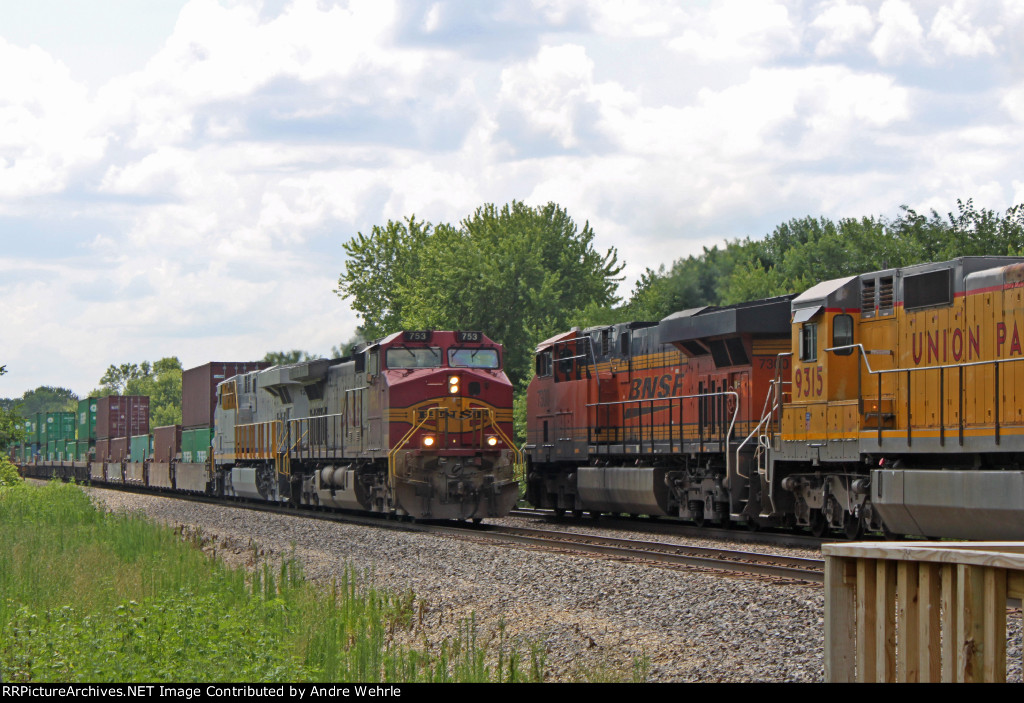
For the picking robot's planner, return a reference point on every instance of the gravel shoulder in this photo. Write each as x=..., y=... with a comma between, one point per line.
x=594, y=618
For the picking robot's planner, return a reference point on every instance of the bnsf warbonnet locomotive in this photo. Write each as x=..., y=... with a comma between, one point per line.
x=418, y=423
x=892, y=401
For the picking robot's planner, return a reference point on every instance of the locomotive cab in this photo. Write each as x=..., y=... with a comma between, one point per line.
x=904, y=402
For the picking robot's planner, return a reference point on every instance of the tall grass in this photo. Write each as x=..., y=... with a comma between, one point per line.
x=92, y=596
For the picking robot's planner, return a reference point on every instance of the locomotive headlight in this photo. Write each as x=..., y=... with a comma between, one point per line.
x=492, y=441
x=453, y=384
x=428, y=441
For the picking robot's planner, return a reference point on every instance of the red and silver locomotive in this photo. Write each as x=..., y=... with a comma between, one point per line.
x=418, y=423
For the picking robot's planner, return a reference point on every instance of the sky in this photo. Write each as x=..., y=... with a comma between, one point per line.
x=177, y=177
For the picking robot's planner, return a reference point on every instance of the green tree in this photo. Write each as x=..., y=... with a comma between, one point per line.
x=288, y=357
x=160, y=381
x=45, y=399
x=375, y=267
x=12, y=430
x=517, y=273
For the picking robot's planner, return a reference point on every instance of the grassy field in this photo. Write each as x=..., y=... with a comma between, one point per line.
x=91, y=596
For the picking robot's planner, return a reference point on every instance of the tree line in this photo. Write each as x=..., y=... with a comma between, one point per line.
x=522, y=274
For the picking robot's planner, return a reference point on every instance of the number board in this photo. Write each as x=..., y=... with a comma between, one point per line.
x=417, y=336
x=469, y=336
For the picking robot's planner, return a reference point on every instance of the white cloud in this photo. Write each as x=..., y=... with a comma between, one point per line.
x=738, y=31
x=952, y=28
x=47, y=126
x=899, y=37
x=548, y=88
x=843, y=25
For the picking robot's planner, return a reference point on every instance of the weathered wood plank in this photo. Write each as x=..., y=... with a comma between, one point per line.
x=970, y=609
x=840, y=621
x=994, y=614
x=908, y=636
x=950, y=623
x=866, y=600
x=928, y=622
x=885, y=620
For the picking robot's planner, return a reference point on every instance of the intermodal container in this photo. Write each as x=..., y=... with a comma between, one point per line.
x=166, y=443
x=102, y=450
x=122, y=416
x=199, y=389
x=120, y=449
x=195, y=444
x=141, y=447
x=87, y=418
x=60, y=425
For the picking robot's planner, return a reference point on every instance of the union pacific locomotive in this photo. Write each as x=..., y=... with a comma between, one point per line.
x=891, y=401
x=417, y=424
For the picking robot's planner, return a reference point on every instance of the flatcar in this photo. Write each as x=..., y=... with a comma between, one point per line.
x=418, y=423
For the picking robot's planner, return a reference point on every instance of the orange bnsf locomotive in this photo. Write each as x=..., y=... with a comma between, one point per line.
x=891, y=401
x=647, y=418
x=418, y=423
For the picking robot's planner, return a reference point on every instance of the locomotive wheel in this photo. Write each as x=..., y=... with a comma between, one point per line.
x=477, y=520
x=818, y=523
x=595, y=514
x=698, y=520
x=853, y=528
x=559, y=513
x=577, y=514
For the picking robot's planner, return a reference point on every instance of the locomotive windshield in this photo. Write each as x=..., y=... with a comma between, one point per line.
x=420, y=358
x=473, y=358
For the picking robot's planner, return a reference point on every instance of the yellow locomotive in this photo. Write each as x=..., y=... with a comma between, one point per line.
x=905, y=411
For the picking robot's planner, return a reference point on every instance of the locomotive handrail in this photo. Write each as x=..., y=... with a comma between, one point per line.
x=766, y=415
x=430, y=412
x=728, y=432
x=960, y=366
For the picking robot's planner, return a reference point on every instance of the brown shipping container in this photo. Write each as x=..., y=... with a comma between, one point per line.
x=122, y=416
x=102, y=450
x=119, y=448
x=166, y=442
x=199, y=389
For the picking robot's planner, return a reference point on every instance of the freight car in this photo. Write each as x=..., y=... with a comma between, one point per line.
x=416, y=424
x=891, y=401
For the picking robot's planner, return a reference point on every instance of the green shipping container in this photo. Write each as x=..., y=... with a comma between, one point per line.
x=141, y=447
x=195, y=444
x=60, y=425
x=86, y=419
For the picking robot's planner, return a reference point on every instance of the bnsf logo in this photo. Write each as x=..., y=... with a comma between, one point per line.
x=450, y=414
x=656, y=387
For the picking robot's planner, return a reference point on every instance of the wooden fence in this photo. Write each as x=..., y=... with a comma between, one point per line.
x=919, y=611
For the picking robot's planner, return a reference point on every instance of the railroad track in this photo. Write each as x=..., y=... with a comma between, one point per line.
x=664, y=553
x=681, y=529
x=658, y=553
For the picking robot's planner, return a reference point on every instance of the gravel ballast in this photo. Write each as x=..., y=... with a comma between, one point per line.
x=594, y=618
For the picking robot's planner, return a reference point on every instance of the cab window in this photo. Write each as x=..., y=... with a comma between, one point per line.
x=842, y=334
x=420, y=358
x=809, y=341
x=473, y=358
